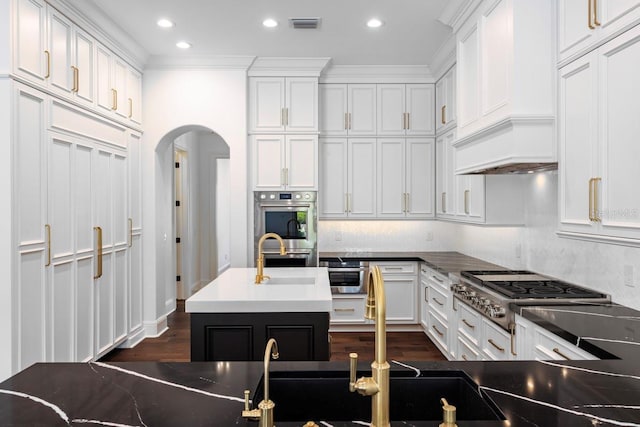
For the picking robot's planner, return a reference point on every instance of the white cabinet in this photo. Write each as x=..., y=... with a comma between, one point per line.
x=283, y=104
x=347, y=178
x=347, y=109
x=583, y=24
x=598, y=143
x=537, y=343
x=134, y=158
x=446, y=101
x=424, y=296
x=119, y=86
x=348, y=310
x=31, y=59
x=400, y=285
x=497, y=344
x=285, y=162
x=439, y=310
x=483, y=199
x=505, y=90
x=405, y=109
x=406, y=181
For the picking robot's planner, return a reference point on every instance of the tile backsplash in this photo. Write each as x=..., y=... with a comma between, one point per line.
x=536, y=246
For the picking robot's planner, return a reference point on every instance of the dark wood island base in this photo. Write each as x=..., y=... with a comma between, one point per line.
x=242, y=336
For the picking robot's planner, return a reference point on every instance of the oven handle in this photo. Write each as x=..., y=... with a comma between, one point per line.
x=285, y=205
x=347, y=270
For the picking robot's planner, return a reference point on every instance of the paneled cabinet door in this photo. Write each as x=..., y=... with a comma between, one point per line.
x=31, y=58
x=348, y=109
x=301, y=160
x=268, y=162
x=135, y=232
x=105, y=77
x=60, y=36
x=266, y=103
x=29, y=146
x=333, y=109
x=301, y=104
x=332, y=194
x=362, y=109
x=391, y=109
x=361, y=178
x=446, y=178
x=400, y=294
x=446, y=100
x=390, y=178
x=419, y=109
x=134, y=95
x=578, y=122
x=120, y=75
x=583, y=23
x=419, y=177
x=84, y=61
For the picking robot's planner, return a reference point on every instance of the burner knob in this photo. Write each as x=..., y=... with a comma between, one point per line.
x=496, y=311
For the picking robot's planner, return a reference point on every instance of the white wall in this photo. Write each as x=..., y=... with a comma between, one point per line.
x=223, y=218
x=535, y=247
x=5, y=38
x=178, y=100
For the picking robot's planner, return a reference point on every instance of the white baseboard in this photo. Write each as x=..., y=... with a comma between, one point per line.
x=155, y=328
x=222, y=268
x=134, y=339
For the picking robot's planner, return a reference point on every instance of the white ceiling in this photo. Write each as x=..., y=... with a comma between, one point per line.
x=411, y=34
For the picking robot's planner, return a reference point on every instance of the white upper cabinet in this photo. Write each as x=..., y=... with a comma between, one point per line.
x=505, y=94
x=283, y=104
x=119, y=86
x=31, y=59
x=84, y=63
x=405, y=178
x=285, y=162
x=405, y=109
x=347, y=178
x=599, y=100
x=348, y=109
x=584, y=24
x=61, y=75
x=446, y=100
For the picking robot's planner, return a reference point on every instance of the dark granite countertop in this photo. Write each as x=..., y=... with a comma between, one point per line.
x=442, y=262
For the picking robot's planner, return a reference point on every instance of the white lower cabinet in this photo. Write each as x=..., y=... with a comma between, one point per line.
x=437, y=305
x=467, y=351
x=496, y=342
x=348, y=309
x=439, y=332
x=424, y=296
x=400, y=285
x=537, y=343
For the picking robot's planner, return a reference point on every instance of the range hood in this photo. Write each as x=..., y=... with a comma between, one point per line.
x=515, y=145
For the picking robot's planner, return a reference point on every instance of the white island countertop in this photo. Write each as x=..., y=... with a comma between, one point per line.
x=234, y=291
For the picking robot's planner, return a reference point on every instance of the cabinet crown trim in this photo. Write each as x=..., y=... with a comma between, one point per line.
x=287, y=67
x=377, y=74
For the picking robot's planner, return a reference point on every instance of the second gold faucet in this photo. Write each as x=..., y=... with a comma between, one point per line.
x=260, y=261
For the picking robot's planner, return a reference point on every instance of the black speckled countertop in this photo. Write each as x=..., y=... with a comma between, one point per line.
x=529, y=393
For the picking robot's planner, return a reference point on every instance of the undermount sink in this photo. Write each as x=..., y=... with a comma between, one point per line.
x=289, y=281
x=325, y=396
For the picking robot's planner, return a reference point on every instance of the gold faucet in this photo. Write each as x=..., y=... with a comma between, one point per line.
x=260, y=261
x=377, y=385
x=264, y=412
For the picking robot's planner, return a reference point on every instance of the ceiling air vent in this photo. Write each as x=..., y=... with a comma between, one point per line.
x=305, y=23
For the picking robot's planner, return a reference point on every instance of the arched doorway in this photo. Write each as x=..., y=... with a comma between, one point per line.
x=193, y=192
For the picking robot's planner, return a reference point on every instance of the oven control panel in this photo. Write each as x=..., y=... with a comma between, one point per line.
x=286, y=196
x=479, y=300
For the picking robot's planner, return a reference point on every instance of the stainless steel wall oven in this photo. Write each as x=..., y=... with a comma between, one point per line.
x=293, y=216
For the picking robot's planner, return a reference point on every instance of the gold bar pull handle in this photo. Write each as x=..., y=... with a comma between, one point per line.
x=73, y=88
x=595, y=13
x=47, y=229
x=496, y=346
x=596, y=201
x=557, y=351
x=48, y=55
x=130, y=232
x=346, y=121
x=98, y=231
x=408, y=121
x=130, y=108
x=470, y=325
x=349, y=121
x=591, y=200
x=466, y=201
x=282, y=117
x=512, y=329
x=443, y=115
x=590, y=15
x=114, y=99
x=76, y=77
x=286, y=117
x=444, y=202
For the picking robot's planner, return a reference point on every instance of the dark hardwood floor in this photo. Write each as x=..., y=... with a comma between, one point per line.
x=174, y=345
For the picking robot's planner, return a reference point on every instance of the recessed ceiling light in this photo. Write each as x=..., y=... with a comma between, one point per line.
x=165, y=23
x=183, y=45
x=374, y=23
x=270, y=23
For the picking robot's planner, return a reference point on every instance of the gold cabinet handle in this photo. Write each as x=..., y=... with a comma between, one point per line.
x=590, y=14
x=464, y=357
x=596, y=203
x=444, y=202
x=408, y=121
x=130, y=232
x=98, y=231
x=434, y=299
x=595, y=13
x=512, y=329
x=591, y=199
x=426, y=294
x=437, y=279
x=344, y=310
x=492, y=342
x=557, y=351
x=349, y=121
x=130, y=108
x=114, y=99
x=407, y=203
x=48, y=55
x=349, y=202
x=443, y=116
x=472, y=326
x=282, y=117
x=73, y=89
x=466, y=201
x=346, y=202
x=47, y=229
x=286, y=176
x=346, y=121
x=437, y=330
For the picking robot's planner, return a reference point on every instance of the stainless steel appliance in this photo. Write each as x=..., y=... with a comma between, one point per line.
x=293, y=215
x=347, y=277
x=491, y=292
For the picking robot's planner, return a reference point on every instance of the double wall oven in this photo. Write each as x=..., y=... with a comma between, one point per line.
x=293, y=216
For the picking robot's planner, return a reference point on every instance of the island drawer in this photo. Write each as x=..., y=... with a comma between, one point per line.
x=348, y=310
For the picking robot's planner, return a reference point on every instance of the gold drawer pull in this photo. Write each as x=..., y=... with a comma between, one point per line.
x=47, y=229
x=344, y=310
x=98, y=230
x=561, y=354
x=437, y=331
x=437, y=302
x=464, y=357
x=495, y=345
x=468, y=324
x=437, y=279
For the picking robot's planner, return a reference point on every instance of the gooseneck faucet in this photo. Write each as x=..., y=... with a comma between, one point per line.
x=264, y=412
x=377, y=385
x=260, y=261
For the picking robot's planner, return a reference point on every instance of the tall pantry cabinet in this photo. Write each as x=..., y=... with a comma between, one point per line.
x=76, y=184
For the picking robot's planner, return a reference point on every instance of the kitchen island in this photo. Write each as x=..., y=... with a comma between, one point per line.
x=232, y=317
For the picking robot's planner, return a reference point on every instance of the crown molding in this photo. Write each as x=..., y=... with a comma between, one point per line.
x=444, y=58
x=175, y=62
x=94, y=21
x=377, y=74
x=286, y=66
x=457, y=11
